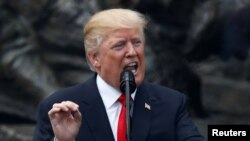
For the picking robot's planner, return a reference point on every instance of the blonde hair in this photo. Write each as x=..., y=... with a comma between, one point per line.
x=106, y=21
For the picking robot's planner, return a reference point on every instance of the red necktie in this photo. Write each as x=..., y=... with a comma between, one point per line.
x=121, y=130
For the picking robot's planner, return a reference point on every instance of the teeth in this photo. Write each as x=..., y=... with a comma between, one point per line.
x=132, y=67
x=132, y=64
x=133, y=71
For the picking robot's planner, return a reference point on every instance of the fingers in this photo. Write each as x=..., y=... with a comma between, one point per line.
x=77, y=115
x=65, y=119
x=64, y=107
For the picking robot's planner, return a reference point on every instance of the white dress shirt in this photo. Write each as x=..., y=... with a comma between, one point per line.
x=109, y=97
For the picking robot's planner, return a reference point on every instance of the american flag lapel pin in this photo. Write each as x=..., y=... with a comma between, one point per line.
x=147, y=106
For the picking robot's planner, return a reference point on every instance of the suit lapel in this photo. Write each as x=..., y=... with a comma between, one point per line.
x=142, y=115
x=96, y=116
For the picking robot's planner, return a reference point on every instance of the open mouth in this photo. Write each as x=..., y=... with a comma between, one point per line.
x=132, y=67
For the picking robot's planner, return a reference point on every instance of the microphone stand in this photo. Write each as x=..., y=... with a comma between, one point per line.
x=127, y=94
x=127, y=86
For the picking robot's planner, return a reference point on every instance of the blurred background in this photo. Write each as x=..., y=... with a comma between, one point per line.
x=199, y=47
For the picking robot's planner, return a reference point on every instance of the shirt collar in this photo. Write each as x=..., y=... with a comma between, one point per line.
x=108, y=93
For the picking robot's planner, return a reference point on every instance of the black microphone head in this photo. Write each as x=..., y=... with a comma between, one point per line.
x=128, y=76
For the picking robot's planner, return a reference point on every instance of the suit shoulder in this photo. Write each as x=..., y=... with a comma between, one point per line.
x=163, y=91
x=63, y=94
x=73, y=93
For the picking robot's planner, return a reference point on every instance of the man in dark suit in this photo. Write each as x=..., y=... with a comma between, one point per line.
x=114, y=41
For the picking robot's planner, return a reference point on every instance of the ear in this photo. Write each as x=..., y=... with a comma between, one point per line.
x=94, y=59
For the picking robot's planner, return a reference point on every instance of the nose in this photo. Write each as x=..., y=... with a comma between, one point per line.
x=131, y=49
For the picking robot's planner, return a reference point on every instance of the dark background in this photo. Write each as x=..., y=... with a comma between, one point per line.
x=199, y=47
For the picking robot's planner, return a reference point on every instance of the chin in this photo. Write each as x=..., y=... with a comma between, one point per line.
x=138, y=81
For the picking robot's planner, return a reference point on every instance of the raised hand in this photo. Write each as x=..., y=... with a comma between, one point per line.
x=65, y=119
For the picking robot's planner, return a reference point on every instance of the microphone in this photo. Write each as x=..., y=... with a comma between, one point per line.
x=127, y=80
x=127, y=87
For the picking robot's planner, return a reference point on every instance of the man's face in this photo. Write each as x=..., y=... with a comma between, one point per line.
x=121, y=49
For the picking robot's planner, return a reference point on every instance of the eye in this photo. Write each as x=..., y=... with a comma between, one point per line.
x=119, y=45
x=136, y=42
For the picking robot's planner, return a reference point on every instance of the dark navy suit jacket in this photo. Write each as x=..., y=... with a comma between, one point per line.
x=166, y=119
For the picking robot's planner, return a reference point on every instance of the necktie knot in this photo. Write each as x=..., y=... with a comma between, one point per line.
x=122, y=99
